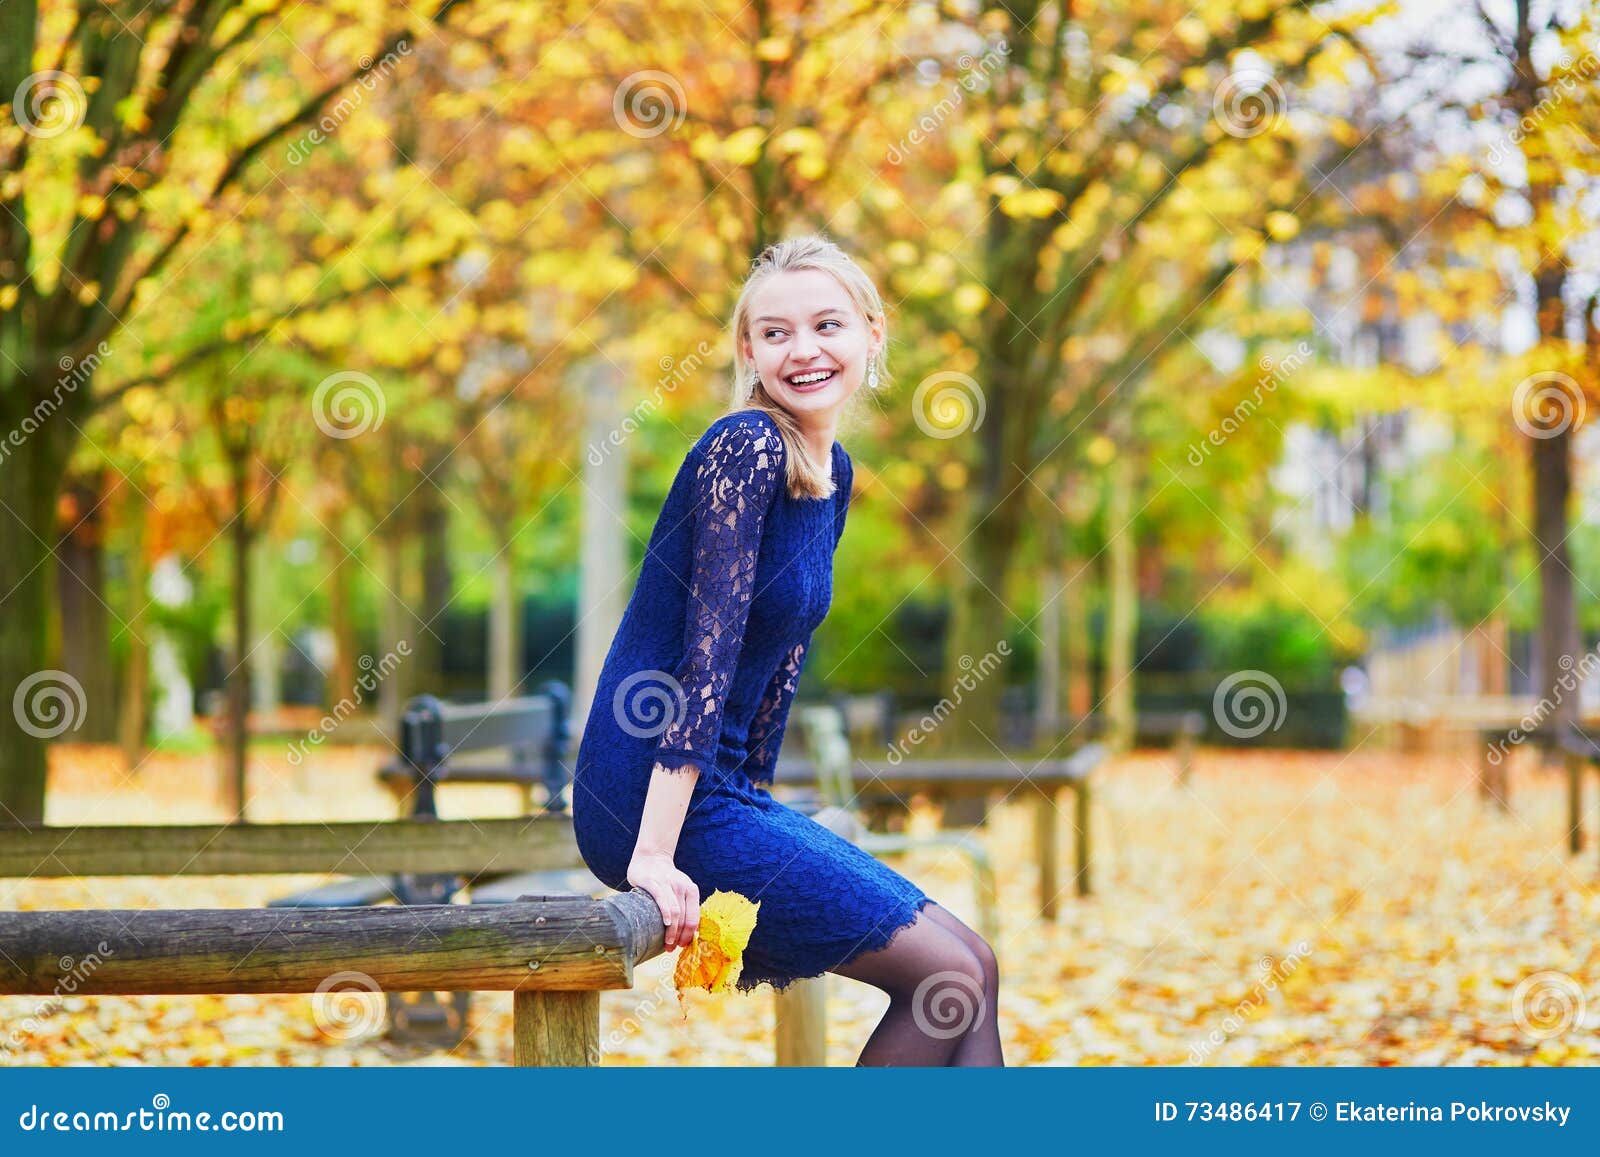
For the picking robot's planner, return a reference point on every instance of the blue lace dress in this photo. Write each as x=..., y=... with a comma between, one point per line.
x=736, y=577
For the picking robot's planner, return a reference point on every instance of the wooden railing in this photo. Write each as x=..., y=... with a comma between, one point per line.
x=556, y=953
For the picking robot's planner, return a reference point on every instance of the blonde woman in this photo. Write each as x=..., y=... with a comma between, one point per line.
x=695, y=692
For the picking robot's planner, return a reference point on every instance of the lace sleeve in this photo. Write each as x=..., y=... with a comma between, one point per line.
x=734, y=486
x=768, y=723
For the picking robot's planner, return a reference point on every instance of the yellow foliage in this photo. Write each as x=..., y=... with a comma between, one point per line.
x=744, y=146
x=1031, y=203
x=716, y=957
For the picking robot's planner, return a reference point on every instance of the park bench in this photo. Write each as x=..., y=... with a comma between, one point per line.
x=828, y=746
x=1180, y=729
x=531, y=734
x=962, y=779
x=1580, y=751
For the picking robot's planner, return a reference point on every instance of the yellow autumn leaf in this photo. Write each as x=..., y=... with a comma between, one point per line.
x=1031, y=203
x=716, y=957
x=744, y=146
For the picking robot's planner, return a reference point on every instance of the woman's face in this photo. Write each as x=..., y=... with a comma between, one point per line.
x=809, y=342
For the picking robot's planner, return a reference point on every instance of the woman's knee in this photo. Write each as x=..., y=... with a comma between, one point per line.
x=954, y=998
x=975, y=943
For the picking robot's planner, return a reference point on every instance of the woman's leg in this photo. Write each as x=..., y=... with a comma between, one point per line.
x=981, y=1045
x=936, y=992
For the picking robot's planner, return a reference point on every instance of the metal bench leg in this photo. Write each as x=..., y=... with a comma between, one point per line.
x=1575, y=765
x=1047, y=850
x=556, y=1028
x=1080, y=831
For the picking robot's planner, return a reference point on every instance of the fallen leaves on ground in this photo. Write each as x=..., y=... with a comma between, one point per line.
x=1289, y=908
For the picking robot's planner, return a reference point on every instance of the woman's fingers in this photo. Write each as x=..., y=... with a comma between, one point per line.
x=667, y=902
x=691, y=911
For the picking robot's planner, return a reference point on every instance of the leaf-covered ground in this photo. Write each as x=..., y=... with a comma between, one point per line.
x=1291, y=908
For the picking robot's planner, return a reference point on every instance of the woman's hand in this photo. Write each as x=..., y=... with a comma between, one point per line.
x=674, y=893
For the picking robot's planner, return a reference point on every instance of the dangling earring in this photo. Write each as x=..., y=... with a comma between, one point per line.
x=872, y=376
x=755, y=380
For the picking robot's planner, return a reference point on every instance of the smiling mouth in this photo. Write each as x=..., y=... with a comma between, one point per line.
x=811, y=379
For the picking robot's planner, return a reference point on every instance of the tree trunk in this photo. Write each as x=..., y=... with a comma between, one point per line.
x=343, y=676
x=603, y=548
x=85, y=618
x=1559, y=641
x=237, y=728
x=433, y=529
x=392, y=623
x=30, y=475
x=981, y=618
x=134, y=722
x=1076, y=579
x=1052, y=587
x=1122, y=610
x=505, y=629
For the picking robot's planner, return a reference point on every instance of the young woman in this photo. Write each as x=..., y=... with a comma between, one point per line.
x=695, y=692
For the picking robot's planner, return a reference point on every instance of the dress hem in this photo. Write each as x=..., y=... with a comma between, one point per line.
x=872, y=944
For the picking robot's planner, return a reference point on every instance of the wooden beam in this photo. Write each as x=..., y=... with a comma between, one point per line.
x=548, y=943
x=468, y=846
x=555, y=1028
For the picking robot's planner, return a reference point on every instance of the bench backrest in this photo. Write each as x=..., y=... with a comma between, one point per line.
x=535, y=729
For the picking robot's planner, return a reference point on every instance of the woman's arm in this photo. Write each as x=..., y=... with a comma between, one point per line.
x=735, y=484
x=666, y=802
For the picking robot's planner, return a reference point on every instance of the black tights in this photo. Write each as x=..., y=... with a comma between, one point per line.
x=944, y=995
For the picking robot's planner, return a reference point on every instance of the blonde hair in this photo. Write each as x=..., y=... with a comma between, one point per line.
x=806, y=478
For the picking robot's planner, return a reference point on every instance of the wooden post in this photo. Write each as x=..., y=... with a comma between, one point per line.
x=1575, y=765
x=1080, y=833
x=556, y=1028
x=802, y=1024
x=1047, y=851
x=1500, y=783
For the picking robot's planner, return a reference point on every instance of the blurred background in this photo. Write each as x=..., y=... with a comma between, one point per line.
x=1242, y=356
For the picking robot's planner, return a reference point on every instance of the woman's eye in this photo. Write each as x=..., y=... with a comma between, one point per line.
x=830, y=321
x=770, y=332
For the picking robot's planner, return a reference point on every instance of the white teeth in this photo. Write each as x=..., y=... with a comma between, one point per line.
x=807, y=379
